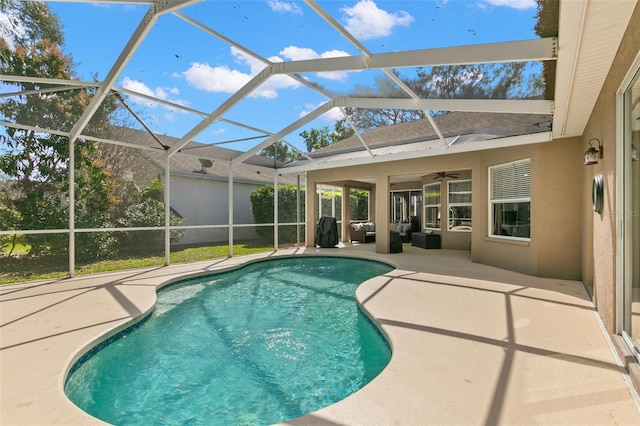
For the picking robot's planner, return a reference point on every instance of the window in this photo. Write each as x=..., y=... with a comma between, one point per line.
x=460, y=205
x=330, y=202
x=510, y=200
x=405, y=205
x=432, y=206
x=359, y=205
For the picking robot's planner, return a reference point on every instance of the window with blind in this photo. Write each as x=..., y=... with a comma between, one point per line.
x=510, y=200
x=460, y=205
x=431, y=197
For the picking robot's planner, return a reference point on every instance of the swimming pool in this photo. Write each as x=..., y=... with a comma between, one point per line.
x=271, y=341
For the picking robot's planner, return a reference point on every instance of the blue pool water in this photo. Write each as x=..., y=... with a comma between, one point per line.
x=263, y=344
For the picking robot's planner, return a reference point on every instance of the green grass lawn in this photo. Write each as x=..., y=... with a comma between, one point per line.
x=20, y=267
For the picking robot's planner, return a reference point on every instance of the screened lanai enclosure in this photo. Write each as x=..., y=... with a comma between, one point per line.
x=135, y=126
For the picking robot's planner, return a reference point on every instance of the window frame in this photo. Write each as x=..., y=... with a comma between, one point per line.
x=438, y=206
x=464, y=204
x=411, y=203
x=515, y=200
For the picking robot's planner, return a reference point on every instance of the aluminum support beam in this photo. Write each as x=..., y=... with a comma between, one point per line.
x=167, y=210
x=243, y=92
x=276, y=243
x=470, y=105
x=414, y=96
x=147, y=23
x=355, y=130
x=230, y=205
x=72, y=209
x=36, y=92
x=42, y=80
x=287, y=130
x=247, y=51
x=336, y=25
x=512, y=51
x=515, y=106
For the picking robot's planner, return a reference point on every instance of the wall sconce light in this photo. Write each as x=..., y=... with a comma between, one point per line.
x=592, y=155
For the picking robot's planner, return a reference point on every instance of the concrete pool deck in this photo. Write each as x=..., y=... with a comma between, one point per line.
x=472, y=344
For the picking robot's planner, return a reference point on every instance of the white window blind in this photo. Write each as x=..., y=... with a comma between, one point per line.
x=511, y=181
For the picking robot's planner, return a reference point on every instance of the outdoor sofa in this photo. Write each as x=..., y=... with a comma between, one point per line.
x=362, y=232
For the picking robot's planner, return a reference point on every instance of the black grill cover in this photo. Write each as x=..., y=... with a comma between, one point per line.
x=327, y=232
x=395, y=242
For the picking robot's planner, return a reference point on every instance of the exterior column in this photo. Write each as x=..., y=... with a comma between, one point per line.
x=167, y=210
x=311, y=199
x=372, y=204
x=382, y=214
x=346, y=213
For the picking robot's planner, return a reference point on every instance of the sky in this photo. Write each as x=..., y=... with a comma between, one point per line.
x=183, y=64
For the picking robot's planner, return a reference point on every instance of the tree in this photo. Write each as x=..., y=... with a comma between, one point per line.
x=26, y=21
x=341, y=131
x=279, y=151
x=319, y=138
x=485, y=81
x=148, y=210
x=262, y=200
x=547, y=26
x=366, y=119
x=9, y=217
x=359, y=204
x=511, y=80
x=37, y=162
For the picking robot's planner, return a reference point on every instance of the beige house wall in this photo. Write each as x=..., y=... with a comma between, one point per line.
x=554, y=248
x=599, y=257
x=568, y=239
x=599, y=231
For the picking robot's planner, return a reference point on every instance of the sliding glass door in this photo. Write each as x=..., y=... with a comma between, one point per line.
x=628, y=216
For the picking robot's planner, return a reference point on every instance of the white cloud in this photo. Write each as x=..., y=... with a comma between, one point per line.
x=159, y=92
x=516, y=4
x=334, y=75
x=295, y=53
x=222, y=79
x=219, y=79
x=284, y=7
x=331, y=116
x=366, y=21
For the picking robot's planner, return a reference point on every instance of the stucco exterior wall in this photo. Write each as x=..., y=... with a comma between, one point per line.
x=205, y=202
x=556, y=194
x=554, y=246
x=560, y=212
x=599, y=232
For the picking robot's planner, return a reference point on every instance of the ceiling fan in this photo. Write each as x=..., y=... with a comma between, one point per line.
x=444, y=175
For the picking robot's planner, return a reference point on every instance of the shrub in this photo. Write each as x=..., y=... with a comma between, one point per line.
x=262, y=211
x=148, y=211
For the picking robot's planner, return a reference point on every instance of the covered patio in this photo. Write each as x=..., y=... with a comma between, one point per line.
x=472, y=344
